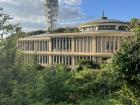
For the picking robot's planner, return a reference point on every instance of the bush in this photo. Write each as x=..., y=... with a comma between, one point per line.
x=87, y=64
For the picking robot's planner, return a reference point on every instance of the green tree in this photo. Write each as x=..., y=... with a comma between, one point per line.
x=128, y=59
x=134, y=23
x=5, y=27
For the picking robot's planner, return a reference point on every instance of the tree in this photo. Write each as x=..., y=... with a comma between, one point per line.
x=8, y=44
x=126, y=63
x=89, y=64
x=134, y=23
x=36, y=32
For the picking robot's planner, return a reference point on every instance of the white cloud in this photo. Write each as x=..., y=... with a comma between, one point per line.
x=72, y=2
x=9, y=1
x=31, y=15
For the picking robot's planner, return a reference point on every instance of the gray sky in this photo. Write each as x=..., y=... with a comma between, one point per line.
x=30, y=14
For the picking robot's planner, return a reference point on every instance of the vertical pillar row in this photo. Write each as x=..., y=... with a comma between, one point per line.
x=94, y=44
x=73, y=45
x=50, y=49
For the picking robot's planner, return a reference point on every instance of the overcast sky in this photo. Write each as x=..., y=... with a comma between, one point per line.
x=30, y=14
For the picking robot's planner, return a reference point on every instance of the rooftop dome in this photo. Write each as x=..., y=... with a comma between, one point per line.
x=105, y=20
x=105, y=24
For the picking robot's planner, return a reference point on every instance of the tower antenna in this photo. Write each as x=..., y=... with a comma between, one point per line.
x=51, y=13
x=103, y=14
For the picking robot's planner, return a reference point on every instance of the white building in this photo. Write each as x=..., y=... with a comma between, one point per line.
x=97, y=41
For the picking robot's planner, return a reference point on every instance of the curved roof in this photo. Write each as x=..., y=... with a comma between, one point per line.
x=105, y=20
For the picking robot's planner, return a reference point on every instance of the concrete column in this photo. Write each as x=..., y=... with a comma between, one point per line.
x=73, y=61
x=59, y=43
x=86, y=44
x=94, y=44
x=76, y=44
x=50, y=60
x=50, y=50
x=34, y=46
x=97, y=47
x=69, y=47
x=101, y=44
x=53, y=44
x=83, y=44
x=78, y=41
x=114, y=43
x=119, y=44
x=56, y=44
x=110, y=44
x=50, y=45
x=39, y=45
x=80, y=45
x=73, y=45
x=44, y=45
x=23, y=45
x=105, y=44
x=62, y=44
x=28, y=44
x=59, y=59
x=91, y=45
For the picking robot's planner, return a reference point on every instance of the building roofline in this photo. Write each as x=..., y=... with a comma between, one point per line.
x=98, y=33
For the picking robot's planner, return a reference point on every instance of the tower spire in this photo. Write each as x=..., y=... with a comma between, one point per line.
x=103, y=15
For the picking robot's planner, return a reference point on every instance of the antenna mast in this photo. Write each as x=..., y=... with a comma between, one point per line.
x=51, y=13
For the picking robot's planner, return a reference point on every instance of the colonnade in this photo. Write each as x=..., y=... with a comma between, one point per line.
x=33, y=45
x=108, y=44
x=60, y=44
x=81, y=45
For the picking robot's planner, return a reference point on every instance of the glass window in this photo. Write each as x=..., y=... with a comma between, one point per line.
x=122, y=28
x=107, y=45
x=116, y=45
x=111, y=45
x=106, y=27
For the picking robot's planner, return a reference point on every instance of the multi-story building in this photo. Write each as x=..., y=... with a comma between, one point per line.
x=97, y=41
x=51, y=12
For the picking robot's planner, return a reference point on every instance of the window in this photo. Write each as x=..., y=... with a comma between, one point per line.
x=106, y=27
x=116, y=45
x=107, y=45
x=111, y=45
x=122, y=28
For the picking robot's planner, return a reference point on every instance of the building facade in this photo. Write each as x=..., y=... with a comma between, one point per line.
x=51, y=12
x=97, y=41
